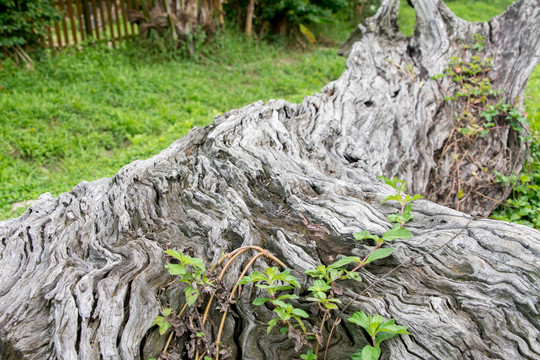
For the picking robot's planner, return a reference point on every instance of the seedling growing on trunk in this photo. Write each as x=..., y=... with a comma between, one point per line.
x=379, y=329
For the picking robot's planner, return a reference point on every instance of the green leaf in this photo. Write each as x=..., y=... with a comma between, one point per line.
x=272, y=274
x=260, y=301
x=386, y=323
x=395, y=218
x=271, y=325
x=191, y=295
x=316, y=273
x=370, y=353
x=257, y=276
x=369, y=323
x=397, y=329
x=175, y=254
x=164, y=327
x=398, y=184
x=309, y=355
x=379, y=254
x=283, y=313
x=245, y=280
x=300, y=312
x=291, y=280
x=176, y=269
x=396, y=197
x=301, y=323
x=344, y=261
x=280, y=303
x=162, y=323
x=283, y=287
x=265, y=286
x=288, y=296
x=361, y=319
x=383, y=335
x=319, y=285
x=357, y=355
x=398, y=218
x=195, y=262
x=166, y=312
x=364, y=234
x=335, y=274
x=330, y=305
x=397, y=232
x=415, y=197
x=354, y=276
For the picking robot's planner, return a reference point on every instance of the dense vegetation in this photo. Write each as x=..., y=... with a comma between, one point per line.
x=24, y=23
x=80, y=116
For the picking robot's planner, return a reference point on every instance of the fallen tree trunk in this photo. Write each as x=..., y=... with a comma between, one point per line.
x=82, y=275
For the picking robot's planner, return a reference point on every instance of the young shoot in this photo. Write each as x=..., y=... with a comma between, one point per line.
x=379, y=329
x=402, y=198
x=190, y=270
x=273, y=281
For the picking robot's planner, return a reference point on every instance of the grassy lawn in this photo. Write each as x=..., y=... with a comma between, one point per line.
x=83, y=115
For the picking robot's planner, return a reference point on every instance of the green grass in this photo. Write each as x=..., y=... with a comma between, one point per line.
x=82, y=116
x=476, y=11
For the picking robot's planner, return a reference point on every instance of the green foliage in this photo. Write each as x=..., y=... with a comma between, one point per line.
x=481, y=108
x=379, y=329
x=276, y=283
x=309, y=355
x=25, y=23
x=335, y=271
x=368, y=352
x=286, y=312
x=282, y=17
x=190, y=270
x=397, y=232
x=301, y=11
x=523, y=206
x=318, y=292
x=272, y=280
x=162, y=321
x=483, y=111
x=402, y=198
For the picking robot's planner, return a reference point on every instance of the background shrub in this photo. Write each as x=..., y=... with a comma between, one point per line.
x=24, y=23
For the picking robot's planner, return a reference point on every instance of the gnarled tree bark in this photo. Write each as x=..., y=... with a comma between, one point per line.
x=81, y=275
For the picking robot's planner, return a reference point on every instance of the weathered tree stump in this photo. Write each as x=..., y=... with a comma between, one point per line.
x=82, y=276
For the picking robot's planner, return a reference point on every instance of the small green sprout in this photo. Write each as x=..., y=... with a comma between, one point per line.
x=162, y=321
x=379, y=329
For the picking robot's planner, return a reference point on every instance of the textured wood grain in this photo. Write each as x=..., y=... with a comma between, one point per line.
x=408, y=121
x=80, y=275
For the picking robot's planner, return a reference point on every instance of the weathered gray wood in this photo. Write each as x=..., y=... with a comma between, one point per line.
x=80, y=275
x=408, y=121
